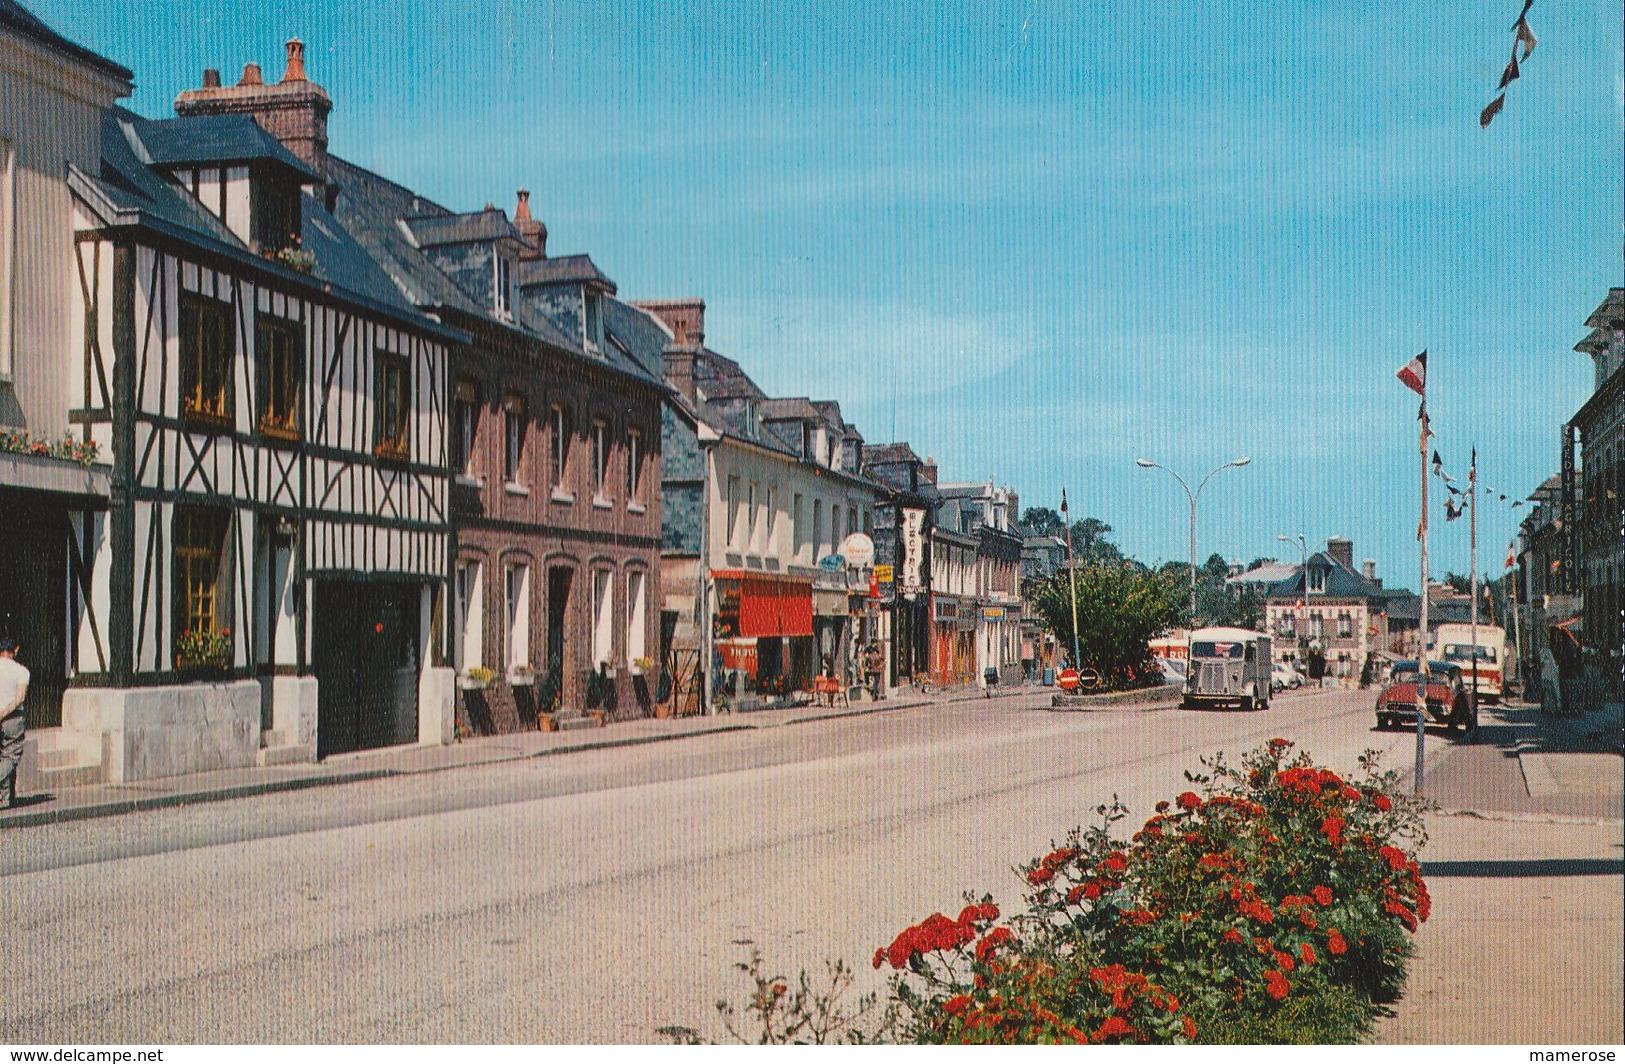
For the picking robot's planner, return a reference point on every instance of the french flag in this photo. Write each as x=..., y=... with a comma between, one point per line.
x=1414, y=374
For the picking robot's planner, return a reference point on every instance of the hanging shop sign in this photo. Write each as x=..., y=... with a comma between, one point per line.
x=857, y=550
x=913, y=545
x=831, y=563
x=883, y=574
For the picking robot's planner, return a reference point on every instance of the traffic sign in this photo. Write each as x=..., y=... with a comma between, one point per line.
x=1067, y=679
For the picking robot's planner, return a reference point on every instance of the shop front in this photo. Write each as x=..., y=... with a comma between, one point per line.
x=764, y=638
x=953, y=640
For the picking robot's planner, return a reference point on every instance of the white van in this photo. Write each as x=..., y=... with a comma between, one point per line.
x=1228, y=666
x=1453, y=643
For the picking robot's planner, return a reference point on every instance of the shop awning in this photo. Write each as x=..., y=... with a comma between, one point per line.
x=772, y=608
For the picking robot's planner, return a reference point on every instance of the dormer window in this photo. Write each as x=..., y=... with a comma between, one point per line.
x=276, y=215
x=1317, y=580
x=504, y=286
x=592, y=320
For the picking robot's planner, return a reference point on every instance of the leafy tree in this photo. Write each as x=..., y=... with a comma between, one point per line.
x=1042, y=521
x=1121, y=608
x=1090, y=542
x=1460, y=584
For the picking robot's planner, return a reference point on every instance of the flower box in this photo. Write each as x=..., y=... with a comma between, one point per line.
x=521, y=676
x=476, y=679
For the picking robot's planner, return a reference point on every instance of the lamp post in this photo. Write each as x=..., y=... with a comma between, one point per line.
x=1303, y=608
x=1146, y=463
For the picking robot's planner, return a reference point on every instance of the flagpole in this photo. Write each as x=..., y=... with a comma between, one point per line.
x=1472, y=524
x=1072, y=575
x=1423, y=673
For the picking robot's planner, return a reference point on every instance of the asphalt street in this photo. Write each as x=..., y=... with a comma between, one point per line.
x=583, y=898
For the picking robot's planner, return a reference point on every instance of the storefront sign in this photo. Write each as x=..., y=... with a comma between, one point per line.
x=992, y=613
x=858, y=550
x=913, y=545
x=831, y=563
x=829, y=603
x=883, y=574
x=944, y=610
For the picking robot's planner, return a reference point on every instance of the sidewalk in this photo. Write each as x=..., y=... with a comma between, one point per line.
x=109, y=799
x=1524, y=862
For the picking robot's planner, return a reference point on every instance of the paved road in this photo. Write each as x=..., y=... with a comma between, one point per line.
x=592, y=897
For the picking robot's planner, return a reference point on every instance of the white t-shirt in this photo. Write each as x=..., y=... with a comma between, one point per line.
x=13, y=685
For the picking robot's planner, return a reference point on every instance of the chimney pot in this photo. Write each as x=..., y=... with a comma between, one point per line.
x=296, y=61
x=211, y=78
x=521, y=213
x=251, y=75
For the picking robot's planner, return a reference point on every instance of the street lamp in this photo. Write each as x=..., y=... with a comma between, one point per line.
x=1146, y=463
x=1303, y=610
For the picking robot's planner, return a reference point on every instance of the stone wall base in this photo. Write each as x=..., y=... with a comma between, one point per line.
x=151, y=732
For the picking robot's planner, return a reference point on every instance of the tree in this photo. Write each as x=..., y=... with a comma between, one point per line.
x=1121, y=608
x=1091, y=545
x=1042, y=521
x=1460, y=584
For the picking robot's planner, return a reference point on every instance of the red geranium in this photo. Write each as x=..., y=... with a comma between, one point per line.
x=1322, y=895
x=1276, y=985
x=1189, y=800
x=1335, y=943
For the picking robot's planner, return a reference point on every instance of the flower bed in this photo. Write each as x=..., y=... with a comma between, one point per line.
x=1274, y=903
x=1274, y=906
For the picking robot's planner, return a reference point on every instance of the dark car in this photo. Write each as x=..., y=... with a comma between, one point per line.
x=1447, y=699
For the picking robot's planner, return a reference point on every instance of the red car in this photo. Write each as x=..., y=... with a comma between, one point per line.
x=1447, y=699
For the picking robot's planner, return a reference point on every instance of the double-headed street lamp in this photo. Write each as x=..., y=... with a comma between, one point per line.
x=1146, y=463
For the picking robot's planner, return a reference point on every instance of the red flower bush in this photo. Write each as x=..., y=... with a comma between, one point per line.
x=1277, y=867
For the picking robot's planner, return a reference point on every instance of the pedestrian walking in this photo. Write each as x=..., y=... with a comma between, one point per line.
x=13, y=725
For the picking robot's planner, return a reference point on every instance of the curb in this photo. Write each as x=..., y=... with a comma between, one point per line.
x=253, y=789
x=166, y=801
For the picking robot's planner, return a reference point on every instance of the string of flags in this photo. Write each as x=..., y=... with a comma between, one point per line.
x=1522, y=37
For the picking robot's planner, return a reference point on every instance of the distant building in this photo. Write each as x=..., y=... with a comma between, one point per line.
x=987, y=512
x=1598, y=428
x=1328, y=606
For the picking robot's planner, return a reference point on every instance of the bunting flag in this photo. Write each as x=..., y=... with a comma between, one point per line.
x=1414, y=375
x=1522, y=36
x=1525, y=38
x=1063, y=501
x=1510, y=74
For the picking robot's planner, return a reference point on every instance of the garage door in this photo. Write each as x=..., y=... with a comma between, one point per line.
x=364, y=655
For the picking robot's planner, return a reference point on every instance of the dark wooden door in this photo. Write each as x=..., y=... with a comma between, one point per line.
x=365, y=660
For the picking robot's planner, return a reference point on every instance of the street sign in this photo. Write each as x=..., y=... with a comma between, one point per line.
x=1067, y=679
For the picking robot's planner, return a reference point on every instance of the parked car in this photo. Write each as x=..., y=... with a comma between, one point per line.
x=1228, y=666
x=1285, y=677
x=1447, y=701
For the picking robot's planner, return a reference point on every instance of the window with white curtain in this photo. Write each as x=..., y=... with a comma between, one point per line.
x=516, y=597
x=603, y=616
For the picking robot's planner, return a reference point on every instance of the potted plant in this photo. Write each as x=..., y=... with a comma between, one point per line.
x=477, y=678
x=203, y=649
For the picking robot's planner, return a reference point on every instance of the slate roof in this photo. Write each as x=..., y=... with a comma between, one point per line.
x=370, y=205
x=21, y=21
x=215, y=140
x=573, y=269
x=130, y=192
x=885, y=453
x=1341, y=581
x=792, y=409
x=1270, y=573
x=433, y=230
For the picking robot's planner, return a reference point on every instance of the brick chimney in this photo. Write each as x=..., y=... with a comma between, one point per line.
x=1341, y=550
x=294, y=110
x=684, y=317
x=531, y=231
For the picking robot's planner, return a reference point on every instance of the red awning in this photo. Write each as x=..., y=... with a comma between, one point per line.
x=771, y=608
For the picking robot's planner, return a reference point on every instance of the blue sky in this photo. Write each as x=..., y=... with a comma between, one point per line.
x=1038, y=239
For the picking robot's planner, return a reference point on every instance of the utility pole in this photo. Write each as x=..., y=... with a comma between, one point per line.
x=1072, y=574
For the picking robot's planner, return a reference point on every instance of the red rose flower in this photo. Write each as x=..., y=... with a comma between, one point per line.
x=1114, y=1027
x=1276, y=985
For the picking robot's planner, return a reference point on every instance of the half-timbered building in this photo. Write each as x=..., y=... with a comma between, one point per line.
x=266, y=582
x=52, y=97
